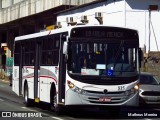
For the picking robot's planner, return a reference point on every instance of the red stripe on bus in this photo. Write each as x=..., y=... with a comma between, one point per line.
x=29, y=67
x=29, y=77
x=43, y=77
x=49, y=77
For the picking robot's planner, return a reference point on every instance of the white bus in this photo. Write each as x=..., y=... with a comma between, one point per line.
x=78, y=66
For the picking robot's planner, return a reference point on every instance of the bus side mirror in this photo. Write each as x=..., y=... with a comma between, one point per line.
x=65, y=48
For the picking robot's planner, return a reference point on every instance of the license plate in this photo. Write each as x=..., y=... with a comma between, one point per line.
x=104, y=99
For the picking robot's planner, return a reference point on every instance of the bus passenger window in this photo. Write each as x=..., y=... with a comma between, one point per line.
x=49, y=58
x=56, y=42
x=31, y=58
x=55, y=58
x=50, y=43
x=44, y=54
x=26, y=61
x=45, y=44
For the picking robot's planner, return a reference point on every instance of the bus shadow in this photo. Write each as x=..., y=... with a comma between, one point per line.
x=103, y=113
x=92, y=113
x=125, y=113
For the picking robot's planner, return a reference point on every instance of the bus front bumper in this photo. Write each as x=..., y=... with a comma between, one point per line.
x=74, y=98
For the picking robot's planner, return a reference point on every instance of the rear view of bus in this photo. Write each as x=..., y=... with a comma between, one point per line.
x=102, y=66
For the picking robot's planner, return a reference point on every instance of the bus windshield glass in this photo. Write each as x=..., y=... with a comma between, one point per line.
x=112, y=59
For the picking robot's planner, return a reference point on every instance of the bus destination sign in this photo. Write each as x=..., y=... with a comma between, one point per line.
x=104, y=32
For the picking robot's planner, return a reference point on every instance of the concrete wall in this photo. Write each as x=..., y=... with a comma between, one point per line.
x=17, y=1
x=6, y=3
x=124, y=13
x=23, y=8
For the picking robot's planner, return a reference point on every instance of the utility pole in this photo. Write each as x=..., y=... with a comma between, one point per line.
x=150, y=9
x=149, y=31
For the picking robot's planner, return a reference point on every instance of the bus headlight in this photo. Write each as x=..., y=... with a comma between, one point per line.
x=78, y=90
x=132, y=91
x=136, y=87
x=75, y=88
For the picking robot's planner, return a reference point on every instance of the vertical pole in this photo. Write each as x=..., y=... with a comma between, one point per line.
x=149, y=28
x=0, y=53
x=125, y=13
x=0, y=43
x=7, y=51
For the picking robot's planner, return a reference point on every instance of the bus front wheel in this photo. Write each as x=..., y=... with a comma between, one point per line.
x=27, y=101
x=54, y=106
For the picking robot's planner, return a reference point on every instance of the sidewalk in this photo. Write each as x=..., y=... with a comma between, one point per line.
x=5, y=80
x=3, y=76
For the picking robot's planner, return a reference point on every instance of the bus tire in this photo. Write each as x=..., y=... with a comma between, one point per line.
x=28, y=102
x=53, y=103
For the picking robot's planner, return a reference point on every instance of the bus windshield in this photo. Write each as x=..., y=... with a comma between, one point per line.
x=114, y=59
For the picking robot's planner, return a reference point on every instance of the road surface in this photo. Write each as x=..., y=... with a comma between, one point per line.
x=12, y=107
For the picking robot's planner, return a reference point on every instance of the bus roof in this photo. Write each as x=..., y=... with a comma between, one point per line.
x=40, y=34
x=60, y=30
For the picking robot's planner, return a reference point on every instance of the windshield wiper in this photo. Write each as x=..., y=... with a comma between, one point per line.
x=119, y=50
x=117, y=54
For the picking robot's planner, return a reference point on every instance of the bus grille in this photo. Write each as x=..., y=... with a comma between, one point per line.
x=108, y=93
x=114, y=97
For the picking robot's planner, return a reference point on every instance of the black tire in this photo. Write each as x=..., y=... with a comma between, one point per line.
x=28, y=102
x=58, y=109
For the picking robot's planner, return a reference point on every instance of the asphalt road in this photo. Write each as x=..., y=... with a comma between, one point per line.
x=12, y=107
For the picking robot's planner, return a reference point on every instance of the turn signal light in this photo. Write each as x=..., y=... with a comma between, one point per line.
x=70, y=84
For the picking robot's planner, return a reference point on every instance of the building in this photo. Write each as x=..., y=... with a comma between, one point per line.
x=143, y=15
x=20, y=17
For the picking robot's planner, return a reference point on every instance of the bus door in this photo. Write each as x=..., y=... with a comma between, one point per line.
x=62, y=72
x=21, y=68
x=37, y=72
